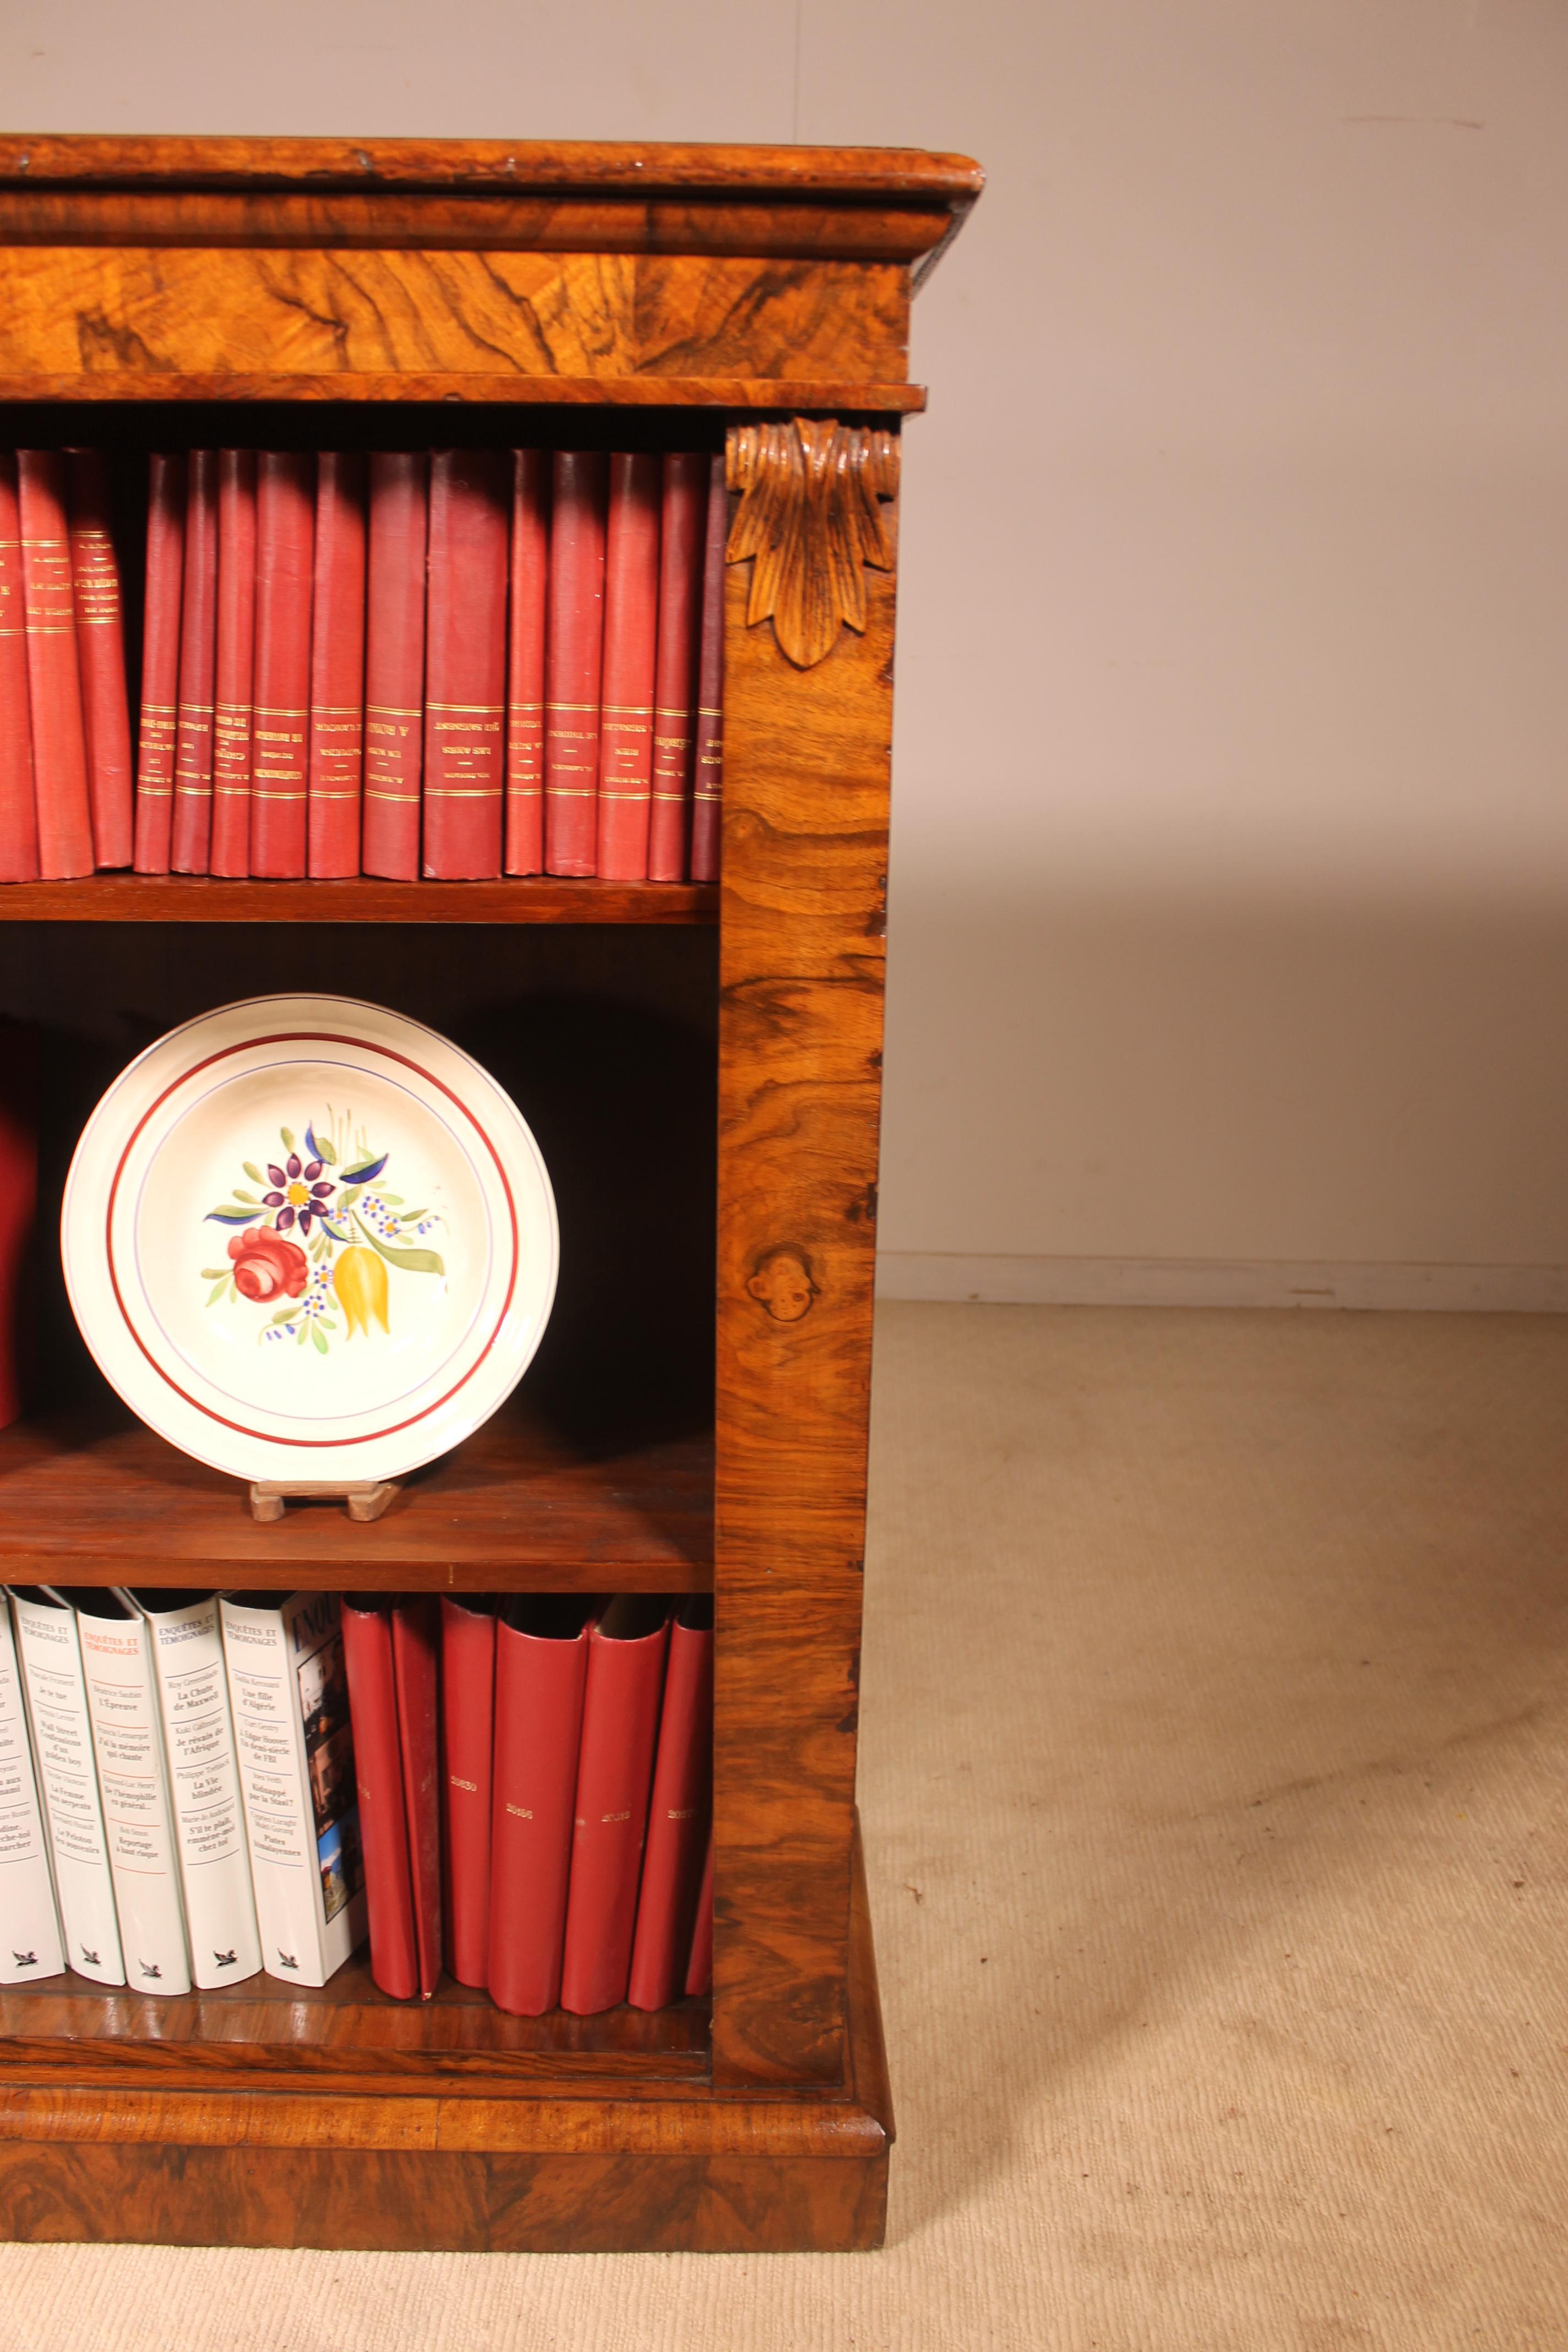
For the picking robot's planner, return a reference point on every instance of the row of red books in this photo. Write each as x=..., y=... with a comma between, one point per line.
x=534, y=1782
x=458, y=664
x=65, y=725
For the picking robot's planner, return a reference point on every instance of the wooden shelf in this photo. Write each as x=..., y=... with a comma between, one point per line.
x=192, y=898
x=96, y=1498
x=69, y=2030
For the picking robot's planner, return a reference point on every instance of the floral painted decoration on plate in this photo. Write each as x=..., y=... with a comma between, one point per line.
x=320, y=1237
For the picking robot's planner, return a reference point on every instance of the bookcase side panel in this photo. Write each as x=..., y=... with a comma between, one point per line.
x=82, y=311
x=802, y=922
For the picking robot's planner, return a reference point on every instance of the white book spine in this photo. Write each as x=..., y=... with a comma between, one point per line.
x=117, y=1662
x=204, y=1779
x=290, y=1699
x=30, y=1941
x=67, y=1778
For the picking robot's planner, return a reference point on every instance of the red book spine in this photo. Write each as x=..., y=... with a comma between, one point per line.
x=700, y=1967
x=285, y=537
x=233, y=695
x=416, y=1670
x=707, y=780
x=394, y=663
x=675, y=685
x=337, y=666
x=100, y=651
x=18, y=810
x=620, y=1724
x=530, y=573
x=465, y=666
x=54, y=678
x=383, y=1806
x=467, y=1714
x=541, y=1662
x=160, y=662
x=631, y=632
x=573, y=659
x=18, y=1206
x=191, y=845
x=677, y=1814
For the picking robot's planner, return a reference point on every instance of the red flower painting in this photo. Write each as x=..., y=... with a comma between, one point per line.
x=267, y=1267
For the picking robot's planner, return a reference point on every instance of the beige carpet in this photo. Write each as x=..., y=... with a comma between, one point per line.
x=1215, y=1783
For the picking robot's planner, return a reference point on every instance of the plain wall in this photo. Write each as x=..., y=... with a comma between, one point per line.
x=1229, y=946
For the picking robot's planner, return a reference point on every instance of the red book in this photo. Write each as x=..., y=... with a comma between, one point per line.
x=530, y=573
x=191, y=844
x=382, y=1807
x=416, y=1658
x=468, y=1715
x=707, y=781
x=573, y=655
x=700, y=1967
x=389, y=1654
x=233, y=695
x=677, y=1814
x=465, y=665
x=620, y=1724
x=686, y=475
x=160, y=662
x=542, y=1664
x=18, y=1206
x=100, y=651
x=54, y=679
x=631, y=631
x=18, y=810
x=337, y=665
x=285, y=540
x=394, y=663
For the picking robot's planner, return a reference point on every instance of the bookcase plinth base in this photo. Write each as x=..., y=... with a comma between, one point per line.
x=634, y=2165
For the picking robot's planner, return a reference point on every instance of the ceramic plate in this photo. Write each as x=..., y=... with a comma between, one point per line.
x=308, y=1240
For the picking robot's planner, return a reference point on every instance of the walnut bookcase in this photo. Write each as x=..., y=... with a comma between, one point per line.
x=175, y=290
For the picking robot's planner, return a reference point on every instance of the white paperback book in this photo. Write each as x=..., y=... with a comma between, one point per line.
x=30, y=1941
x=133, y=1782
x=67, y=1781
x=290, y=1700
x=203, y=1781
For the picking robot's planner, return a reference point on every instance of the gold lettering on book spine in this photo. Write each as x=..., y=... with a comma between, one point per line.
x=810, y=521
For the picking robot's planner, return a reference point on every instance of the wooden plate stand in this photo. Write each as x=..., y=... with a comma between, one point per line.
x=674, y=295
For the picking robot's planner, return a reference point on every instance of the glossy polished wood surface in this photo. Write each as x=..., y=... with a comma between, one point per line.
x=99, y=1499
x=478, y=390
x=620, y=2166
x=194, y=898
x=126, y=311
x=802, y=933
x=267, y=2029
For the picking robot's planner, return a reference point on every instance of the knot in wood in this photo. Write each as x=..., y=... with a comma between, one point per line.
x=782, y=1284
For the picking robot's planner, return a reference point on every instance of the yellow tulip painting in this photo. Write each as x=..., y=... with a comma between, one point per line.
x=359, y=1278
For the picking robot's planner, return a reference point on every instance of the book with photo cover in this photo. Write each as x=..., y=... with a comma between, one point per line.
x=290, y=1697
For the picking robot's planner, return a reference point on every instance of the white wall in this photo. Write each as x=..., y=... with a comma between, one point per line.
x=1230, y=894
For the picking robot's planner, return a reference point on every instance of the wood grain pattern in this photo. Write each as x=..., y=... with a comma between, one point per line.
x=797, y=227
x=75, y=311
x=345, y=2030
x=195, y=898
x=639, y=169
x=479, y=389
x=809, y=522
x=636, y=2164
x=99, y=1499
x=801, y=960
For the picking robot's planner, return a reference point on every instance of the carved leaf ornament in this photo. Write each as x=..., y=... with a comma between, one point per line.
x=811, y=519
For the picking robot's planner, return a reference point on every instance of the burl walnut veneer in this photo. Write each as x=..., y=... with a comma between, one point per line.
x=762, y=293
